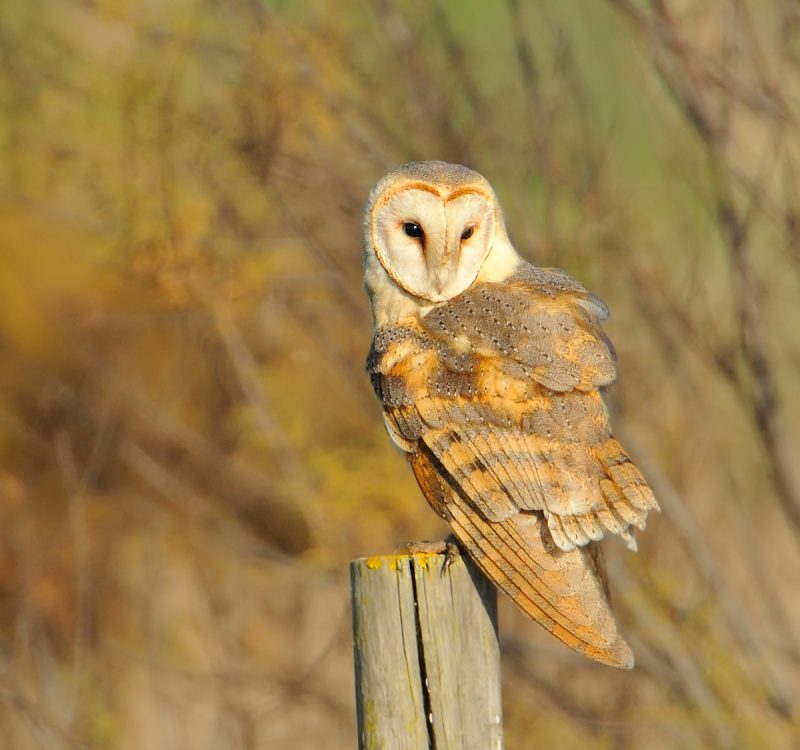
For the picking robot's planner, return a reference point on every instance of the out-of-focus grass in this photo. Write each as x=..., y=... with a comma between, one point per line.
x=190, y=451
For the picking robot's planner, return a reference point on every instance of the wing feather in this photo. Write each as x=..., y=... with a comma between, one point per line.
x=558, y=589
x=504, y=470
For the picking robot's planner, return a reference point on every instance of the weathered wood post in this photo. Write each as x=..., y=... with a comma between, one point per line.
x=427, y=661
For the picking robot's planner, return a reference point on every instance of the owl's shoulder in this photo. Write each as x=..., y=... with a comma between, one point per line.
x=554, y=283
x=531, y=297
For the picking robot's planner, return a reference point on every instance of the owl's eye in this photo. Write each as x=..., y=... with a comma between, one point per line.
x=467, y=233
x=412, y=229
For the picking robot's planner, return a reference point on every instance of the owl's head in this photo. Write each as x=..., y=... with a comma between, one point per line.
x=430, y=230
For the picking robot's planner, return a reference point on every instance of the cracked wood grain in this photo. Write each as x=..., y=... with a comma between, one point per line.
x=427, y=661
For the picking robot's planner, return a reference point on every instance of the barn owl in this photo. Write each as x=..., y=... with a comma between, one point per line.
x=490, y=371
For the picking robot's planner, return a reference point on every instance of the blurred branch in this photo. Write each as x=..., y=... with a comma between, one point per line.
x=460, y=62
x=521, y=661
x=678, y=335
x=527, y=62
x=253, y=497
x=110, y=13
x=427, y=99
x=49, y=733
x=698, y=546
x=671, y=322
x=664, y=637
x=326, y=255
x=292, y=467
x=680, y=68
x=659, y=25
x=177, y=494
x=360, y=136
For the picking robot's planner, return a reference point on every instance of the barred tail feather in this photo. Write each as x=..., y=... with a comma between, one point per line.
x=558, y=589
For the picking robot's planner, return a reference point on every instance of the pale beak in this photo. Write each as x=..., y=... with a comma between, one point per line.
x=442, y=265
x=440, y=278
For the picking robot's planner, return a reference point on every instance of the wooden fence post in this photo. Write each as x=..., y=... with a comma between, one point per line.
x=427, y=661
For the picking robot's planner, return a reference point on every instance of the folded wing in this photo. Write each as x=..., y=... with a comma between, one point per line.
x=496, y=397
x=558, y=589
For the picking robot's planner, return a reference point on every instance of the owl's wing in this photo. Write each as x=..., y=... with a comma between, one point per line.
x=584, y=482
x=503, y=391
x=558, y=589
x=495, y=396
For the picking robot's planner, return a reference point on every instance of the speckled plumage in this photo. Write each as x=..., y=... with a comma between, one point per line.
x=493, y=393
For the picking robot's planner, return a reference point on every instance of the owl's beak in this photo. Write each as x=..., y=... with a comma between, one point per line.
x=442, y=276
x=442, y=265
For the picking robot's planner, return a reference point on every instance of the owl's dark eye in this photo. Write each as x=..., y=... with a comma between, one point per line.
x=467, y=233
x=412, y=229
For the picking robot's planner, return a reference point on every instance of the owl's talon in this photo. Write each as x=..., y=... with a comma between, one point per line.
x=422, y=548
x=447, y=547
x=452, y=551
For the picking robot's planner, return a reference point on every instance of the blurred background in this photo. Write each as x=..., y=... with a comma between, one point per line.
x=190, y=452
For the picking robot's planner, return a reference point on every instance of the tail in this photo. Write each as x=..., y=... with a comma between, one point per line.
x=560, y=590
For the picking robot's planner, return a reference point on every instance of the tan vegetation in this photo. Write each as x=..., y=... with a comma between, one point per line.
x=189, y=450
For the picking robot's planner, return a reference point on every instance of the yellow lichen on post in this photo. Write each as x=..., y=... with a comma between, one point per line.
x=394, y=561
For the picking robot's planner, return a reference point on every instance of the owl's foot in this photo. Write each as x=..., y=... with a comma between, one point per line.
x=447, y=547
